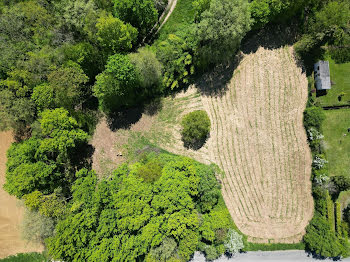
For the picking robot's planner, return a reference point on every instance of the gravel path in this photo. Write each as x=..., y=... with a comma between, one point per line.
x=291, y=255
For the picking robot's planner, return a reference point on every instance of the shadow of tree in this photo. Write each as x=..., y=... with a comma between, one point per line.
x=214, y=82
x=195, y=145
x=125, y=118
x=272, y=36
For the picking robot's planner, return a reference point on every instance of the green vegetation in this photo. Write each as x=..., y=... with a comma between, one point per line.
x=337, y=146
x=160, y=215
x=216, y=39
x=195, y=128
x=181, y=18
x=326, y=235
x=274, y=247
x=46, y=161
x=60, y=59
x=26, y=257
x=339, y=94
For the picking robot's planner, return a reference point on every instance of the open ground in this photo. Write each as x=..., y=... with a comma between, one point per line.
x=257, y=138
x=10, y=211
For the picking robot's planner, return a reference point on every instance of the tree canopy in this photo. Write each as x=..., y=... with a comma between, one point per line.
x=130, y=217
x=42, y=163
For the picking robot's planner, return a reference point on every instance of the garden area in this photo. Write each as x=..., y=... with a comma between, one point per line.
x=337, y=141
x=339, y=94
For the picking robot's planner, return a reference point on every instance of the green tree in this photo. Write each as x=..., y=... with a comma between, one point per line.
x=177, y=58
x=127, y=219
x=265, y=11
x=313, y=117
x=68, y=82
x=195, y=128
x=319, y=238
x=117, y=86
x=149, y=71
x=341, y=182
x=43, y=96
x=221, y=30
x=332, y=20
x=43, y=163
x=141, y=14
x=113, y=35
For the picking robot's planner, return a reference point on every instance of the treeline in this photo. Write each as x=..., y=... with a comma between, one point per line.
x=161, y=208
x=62, y=61
x=327, y=233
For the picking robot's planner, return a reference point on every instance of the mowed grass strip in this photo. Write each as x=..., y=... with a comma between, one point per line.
x=337, y=141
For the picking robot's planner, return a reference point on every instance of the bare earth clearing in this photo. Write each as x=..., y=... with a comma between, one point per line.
x=257, y=138
x=10, y=212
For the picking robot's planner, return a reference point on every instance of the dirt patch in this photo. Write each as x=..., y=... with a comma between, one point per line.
x=10, y=212
x=110, y=145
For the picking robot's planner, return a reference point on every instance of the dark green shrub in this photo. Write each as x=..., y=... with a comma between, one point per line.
x=342, y=183
x=321, y=239
x=210, y=253
x=195, y=129
x=313, y=117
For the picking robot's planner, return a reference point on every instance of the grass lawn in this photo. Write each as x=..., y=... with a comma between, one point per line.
x=340, y=76
x=182, y=16
x=337, y=146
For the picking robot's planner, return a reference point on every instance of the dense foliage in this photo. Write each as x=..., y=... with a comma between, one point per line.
x=326, y=235
x=59, y=59
x=25, y=257
x=44, y=162
x=195, y=128
x=132, y=216
x=221, y=29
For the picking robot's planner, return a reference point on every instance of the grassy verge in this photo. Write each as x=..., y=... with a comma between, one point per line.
x=274, y=247
x=26, y=257
x=341, y=85
x=181, y=17
x=337, y=146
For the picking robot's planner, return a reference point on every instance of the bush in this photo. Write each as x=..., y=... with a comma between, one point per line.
x=313, y=117
x=195, y=128
x=342, y=183
x=234, y=242
x=210, y=253
x=36, y=227
x=321, y=239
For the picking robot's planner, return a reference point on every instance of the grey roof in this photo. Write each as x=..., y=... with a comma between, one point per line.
x=322, y=75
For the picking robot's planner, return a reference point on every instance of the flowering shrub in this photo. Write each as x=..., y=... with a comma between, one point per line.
x=319, y=162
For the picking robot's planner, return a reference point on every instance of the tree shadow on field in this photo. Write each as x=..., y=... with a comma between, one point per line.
x=124, y=118
x=215, y=81
x=195, y=145
x=270, y=37
x=274, y=36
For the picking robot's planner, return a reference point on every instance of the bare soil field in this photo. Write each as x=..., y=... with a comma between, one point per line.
x=257, y=138
x=10, y=212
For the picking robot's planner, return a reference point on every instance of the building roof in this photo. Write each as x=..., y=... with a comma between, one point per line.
x=323, y=80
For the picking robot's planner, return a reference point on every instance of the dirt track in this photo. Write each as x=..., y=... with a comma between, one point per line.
x=10, y=212
x=258, y=139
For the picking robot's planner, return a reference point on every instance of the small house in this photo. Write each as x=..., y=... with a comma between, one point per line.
x=322, y=75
